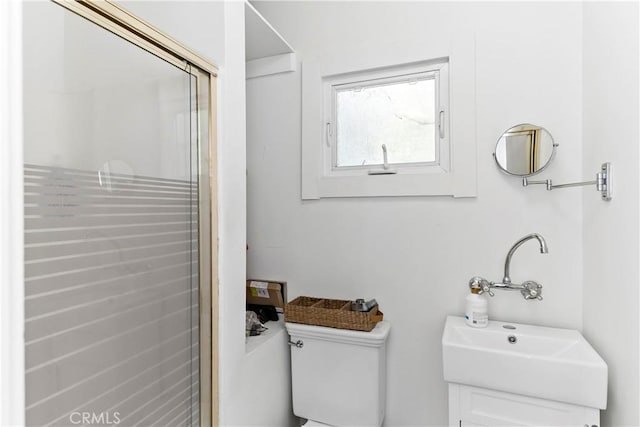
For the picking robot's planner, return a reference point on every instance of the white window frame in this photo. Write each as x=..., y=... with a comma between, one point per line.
x=460, y=178
x=437, y=70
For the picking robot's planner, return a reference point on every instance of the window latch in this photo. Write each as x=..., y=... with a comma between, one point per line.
x=385, y=165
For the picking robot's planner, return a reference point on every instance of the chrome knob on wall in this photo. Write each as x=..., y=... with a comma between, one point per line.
x=532, y=290
x=483, y=284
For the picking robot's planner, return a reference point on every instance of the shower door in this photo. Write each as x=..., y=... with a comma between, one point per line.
x=116, y=223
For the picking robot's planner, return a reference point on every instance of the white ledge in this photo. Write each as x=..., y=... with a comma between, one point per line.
x=271, y=65
x=275, y=329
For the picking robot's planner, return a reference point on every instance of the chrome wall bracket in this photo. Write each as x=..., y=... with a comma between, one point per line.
x=602, y=182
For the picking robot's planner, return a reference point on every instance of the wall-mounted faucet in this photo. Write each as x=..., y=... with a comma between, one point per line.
x=516, y=245
x=529, y=289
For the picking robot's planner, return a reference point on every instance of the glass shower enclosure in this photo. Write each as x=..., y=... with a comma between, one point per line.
x=117, y=226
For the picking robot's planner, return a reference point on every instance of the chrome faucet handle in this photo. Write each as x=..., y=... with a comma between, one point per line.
x=482, y=284
x=531, y=290
x=486, y=287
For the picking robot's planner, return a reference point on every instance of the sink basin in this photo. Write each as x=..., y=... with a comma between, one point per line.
x=548, y=363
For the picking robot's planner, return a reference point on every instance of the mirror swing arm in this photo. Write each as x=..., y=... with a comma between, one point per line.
x=525, y=150
x=602, y=182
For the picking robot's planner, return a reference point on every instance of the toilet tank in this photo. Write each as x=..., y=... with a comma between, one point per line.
x=338, y=376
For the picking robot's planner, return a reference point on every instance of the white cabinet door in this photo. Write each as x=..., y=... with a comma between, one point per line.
x=476, y=407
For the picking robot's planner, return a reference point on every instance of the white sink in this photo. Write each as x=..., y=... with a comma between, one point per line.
x=548, y=363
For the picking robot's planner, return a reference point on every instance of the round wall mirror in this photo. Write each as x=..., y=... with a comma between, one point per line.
x=524, y=150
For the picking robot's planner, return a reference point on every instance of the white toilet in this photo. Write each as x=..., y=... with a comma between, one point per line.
x=338, y=376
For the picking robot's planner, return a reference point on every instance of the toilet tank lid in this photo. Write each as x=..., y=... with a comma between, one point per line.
x=374, y=338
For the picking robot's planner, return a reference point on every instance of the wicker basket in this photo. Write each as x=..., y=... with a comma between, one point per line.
x=330, y=312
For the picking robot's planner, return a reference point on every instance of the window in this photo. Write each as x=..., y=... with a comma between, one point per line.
x=389, y=130
x=387, y=122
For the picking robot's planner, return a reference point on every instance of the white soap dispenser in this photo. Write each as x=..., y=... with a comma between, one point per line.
x=476, y=311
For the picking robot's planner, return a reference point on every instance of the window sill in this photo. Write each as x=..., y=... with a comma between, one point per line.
x=389, y=186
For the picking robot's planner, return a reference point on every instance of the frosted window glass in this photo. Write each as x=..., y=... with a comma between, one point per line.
x=400, y=115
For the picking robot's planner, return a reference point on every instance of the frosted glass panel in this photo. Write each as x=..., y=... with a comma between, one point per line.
x=111, y=229
x=400, y=115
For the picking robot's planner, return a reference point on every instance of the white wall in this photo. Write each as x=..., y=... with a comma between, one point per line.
x=12, y=396
x=610, y=126
x=232, y=210
x=416, y=255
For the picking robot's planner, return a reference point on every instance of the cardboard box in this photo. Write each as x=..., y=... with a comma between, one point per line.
x=267, y=292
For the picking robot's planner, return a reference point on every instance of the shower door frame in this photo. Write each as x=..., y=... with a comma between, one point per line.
x=119, y=21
